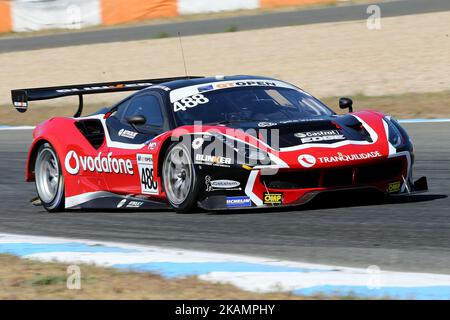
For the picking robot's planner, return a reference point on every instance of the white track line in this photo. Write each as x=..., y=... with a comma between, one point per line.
x=4, y=128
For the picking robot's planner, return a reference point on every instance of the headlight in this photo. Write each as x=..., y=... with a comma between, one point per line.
x=395, y=137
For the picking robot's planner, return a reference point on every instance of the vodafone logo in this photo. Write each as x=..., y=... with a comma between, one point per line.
x=307, y=160
x=197, y=143
x=72, y=163
x=108, y=164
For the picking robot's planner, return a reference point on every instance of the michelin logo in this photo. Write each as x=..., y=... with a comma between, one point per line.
x=236, y=202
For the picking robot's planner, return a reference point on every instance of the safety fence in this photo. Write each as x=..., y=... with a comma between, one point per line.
x=34, y=15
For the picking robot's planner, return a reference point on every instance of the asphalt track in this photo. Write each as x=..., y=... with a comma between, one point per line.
x=249, y=22
x=407, y=234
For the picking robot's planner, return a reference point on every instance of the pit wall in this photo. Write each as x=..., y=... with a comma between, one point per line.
x=32, y=15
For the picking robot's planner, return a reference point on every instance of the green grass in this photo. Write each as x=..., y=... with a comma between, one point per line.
x=49, y=280
x=231, y=28
x=162, y=35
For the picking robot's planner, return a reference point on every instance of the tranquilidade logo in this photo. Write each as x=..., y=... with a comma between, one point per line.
x=108, y=164
x=307, y=160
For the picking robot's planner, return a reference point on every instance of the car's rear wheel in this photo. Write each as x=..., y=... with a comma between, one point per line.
x=49, y=179
x=179, y=178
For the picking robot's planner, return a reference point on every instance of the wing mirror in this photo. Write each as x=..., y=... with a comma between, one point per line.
x=137, y=120
x=346, y=103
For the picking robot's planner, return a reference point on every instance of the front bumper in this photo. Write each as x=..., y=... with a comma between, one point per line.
x=291, y=187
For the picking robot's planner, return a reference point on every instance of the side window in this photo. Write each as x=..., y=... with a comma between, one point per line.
x=121, y=109
x=147, y=106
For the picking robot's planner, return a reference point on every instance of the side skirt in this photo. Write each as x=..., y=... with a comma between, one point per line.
x=108, y=200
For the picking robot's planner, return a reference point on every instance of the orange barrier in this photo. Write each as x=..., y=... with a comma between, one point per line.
x=5, y=16
x=123, y=11
x=292, y=3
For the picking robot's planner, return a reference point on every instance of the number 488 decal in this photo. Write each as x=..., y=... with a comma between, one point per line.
x=149, y=185
x=189, y=102
x=147, y=179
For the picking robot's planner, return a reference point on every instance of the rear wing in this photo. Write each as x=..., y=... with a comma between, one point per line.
x=21, y=97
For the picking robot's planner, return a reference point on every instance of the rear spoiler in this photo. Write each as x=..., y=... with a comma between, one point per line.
x=21, y=97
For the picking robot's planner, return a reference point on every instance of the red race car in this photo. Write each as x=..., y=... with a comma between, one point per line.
x=225, y=142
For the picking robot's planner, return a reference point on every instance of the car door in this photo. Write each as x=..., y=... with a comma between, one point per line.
x=130, y=143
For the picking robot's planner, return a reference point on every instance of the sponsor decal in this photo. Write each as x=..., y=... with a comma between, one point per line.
x=394, y=187
x=107, y=164
x=236, y=202
x=121, y=203
x=129, y=85
x=153, y=145
x=266, y=124
x=244, y=83
x=178, y=94
x=20, y=104
x=272, y=198
x=303, y=119
x=135, y=204
x=213, y=185
x=317, y=136
x=233, y=84
x=307, y=160
x=149, y=185
x=127, y=134
x=197, y=143
x=350, y=157
x=213, y=160
x=189, y=102
x=206, y=88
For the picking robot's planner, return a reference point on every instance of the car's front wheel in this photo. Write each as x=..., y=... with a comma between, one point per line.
x=49, y=179
x=179, y=178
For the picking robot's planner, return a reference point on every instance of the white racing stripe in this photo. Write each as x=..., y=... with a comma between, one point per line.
x=85, y=197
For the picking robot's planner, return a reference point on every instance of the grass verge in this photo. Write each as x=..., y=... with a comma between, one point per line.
x=403, y=106
x=27, y=279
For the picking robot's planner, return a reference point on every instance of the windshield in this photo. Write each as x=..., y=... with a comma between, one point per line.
x=259, y=103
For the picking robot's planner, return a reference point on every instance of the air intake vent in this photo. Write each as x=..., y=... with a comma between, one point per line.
x=92, y=130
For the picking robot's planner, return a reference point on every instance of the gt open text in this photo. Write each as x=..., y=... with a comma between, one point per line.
x=225, y=309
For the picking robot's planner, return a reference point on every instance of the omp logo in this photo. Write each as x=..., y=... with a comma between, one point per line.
x=273, y=198
x=394, y=187
x=73, y=163
x=307, y=160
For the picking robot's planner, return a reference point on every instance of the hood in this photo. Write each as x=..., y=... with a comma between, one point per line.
x=314, y=130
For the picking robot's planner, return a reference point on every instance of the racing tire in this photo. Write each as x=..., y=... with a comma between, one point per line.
x=179, y=178
x=49, y=179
